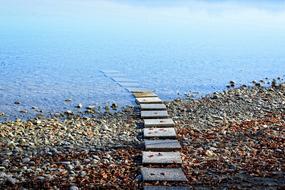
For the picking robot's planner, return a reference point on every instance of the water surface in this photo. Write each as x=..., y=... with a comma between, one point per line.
x=53, y=50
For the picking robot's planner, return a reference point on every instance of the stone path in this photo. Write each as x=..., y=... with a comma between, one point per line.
x=162, y=149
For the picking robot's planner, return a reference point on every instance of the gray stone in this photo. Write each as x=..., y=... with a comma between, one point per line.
x=131, y=89
x=154, y=114
x=163, y=174
x=153, y=107
x=162, y=145
x=148, y=100
x=161, y=158
x=144, y=94
x=165, y=188
x=128, y=84
x=158, y=123
x=159, y=133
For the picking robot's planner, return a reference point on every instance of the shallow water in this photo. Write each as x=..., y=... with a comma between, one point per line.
x=53, y=50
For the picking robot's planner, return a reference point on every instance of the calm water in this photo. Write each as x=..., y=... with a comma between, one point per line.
x=51, y=50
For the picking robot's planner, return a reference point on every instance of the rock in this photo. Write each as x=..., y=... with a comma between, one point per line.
x=68, y=112
x=2, y=114
x=11, y=180
x=23, y=111
x=91, y=107
x=114, y=106
x=210, y=153
x=17, y=102
x=73, y=187
x=26, y=160
x=79, y=106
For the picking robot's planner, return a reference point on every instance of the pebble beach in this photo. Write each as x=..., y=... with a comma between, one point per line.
x=233, y=139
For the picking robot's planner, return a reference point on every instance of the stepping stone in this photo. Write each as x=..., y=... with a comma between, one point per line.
x=165, y=188
x=148, y=100
x=161, y=158
x=131, y=89
x=158, y=123
x=128, y=84
x=162, y=133
x=125, y=80
x=163, y=174
x=162, y=145
x=153, y=107
x=144, y=94
x=154, y=114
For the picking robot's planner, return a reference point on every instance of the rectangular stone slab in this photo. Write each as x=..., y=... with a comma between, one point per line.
x=163, y=174
x=144, y=94
x=153, y=106
x=165, y=188
x=162, y=133
x=161, y=157
x=168, y=122
x=131, y=89
x=148, y=100
x=162, y=145
x=128, y=84
x=154, y=114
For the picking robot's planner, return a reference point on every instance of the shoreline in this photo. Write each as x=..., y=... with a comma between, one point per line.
x=214, y=131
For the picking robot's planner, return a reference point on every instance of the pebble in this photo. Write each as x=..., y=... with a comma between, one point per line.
x=17, y=102
x=79, y=105
x=73, y=188
x=26, y=160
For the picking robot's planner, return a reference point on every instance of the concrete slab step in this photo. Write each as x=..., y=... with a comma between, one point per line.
x=158, y=123
x=154, y=114
x=128, y=84
x=131, y=89
x=163, y=174
x=162, y=145
x=161, y=133
x=165, y=188
x=161, y=157
x=152, y=106
x=149, y=100
x=144, y=94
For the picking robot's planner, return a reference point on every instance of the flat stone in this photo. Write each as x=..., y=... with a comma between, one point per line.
x=161, y=158
x=162, y=145
x=131, y=89
x=168, y=122
x=153, y=106
x=165, y=188
x=148, y=100
x=163, y=133
x=163, y=174
x=144, y=94
x=154, y=114
x=128, y=84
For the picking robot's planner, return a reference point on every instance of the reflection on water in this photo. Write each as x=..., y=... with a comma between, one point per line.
x=52, y=50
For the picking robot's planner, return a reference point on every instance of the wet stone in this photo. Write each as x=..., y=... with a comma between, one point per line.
x=163, y=174
x=154, y=114
x=158, y=123
x=153, y=107
x=130, y=89
x=159, y=133
x=128, y=84
x=144, y=94
x=161, y=158
x=162, y=145
x=148, y=100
